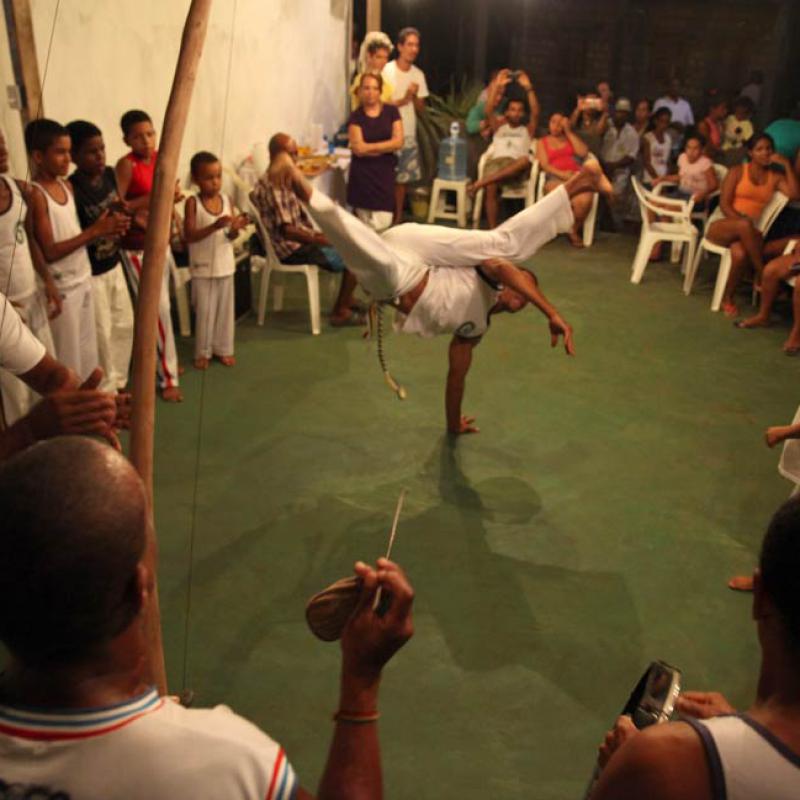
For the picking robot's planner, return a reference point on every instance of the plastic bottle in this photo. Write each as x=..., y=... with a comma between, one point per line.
x=453, y=155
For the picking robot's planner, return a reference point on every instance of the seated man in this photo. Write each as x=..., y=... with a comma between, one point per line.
x=447, y=280
x=723, y=753
x=784, y=267
x=620, y=148
x=67, y=407
x=293, y=236
x=509, y=159
x=72, y=557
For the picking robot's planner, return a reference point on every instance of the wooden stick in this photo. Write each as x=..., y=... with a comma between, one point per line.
x=144, y=344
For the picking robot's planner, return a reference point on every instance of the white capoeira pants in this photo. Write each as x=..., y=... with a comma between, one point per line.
x=74, y=330
x=17, y=397
x=391, y=264
x=213, y=316
x=113, y=314
x=167, y=360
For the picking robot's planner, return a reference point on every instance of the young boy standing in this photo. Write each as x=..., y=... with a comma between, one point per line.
x=95, y=190
x=20, y=261
x=209, y=228
x=58, y=234
x=134, y=173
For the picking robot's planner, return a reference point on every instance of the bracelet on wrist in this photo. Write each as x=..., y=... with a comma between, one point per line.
x=356, y=717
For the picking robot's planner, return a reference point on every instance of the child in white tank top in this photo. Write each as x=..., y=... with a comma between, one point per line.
x=209, y=228
x=58, y=233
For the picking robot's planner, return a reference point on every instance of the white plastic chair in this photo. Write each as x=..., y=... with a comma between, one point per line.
x=676, y=228
x=525, y=192
x=590, y=223
x=768, y=216
x=698, y=215
x=270, y=264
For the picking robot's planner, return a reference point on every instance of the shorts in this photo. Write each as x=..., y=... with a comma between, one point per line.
x=496, y=164
x=408, y=167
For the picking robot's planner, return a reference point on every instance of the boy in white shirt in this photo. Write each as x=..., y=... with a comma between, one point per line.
x=410, y=91
x=58, y=234
x=509, y=159
x=209, y=228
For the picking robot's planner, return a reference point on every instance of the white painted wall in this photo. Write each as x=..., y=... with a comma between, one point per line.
x=287, y=69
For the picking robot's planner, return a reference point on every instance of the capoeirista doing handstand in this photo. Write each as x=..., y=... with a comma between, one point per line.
x=447, y=280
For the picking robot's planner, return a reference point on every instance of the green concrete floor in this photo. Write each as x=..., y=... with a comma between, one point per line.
x=589, y=528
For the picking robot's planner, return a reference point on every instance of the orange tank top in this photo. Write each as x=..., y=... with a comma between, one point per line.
x=750, y=198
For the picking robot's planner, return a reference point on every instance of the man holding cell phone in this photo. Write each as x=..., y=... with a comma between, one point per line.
x=715, y=752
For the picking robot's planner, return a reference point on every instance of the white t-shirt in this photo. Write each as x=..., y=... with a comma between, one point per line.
x=20, y=350
x=620, y=143
x=455, y=300
x=401, y=80
x=693, y=176
x=149, y=747
x=17, y=278
x=659, y=155
x=680, y=109
x=511, y=142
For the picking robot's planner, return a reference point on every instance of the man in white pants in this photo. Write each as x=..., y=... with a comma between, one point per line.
x=447, y=280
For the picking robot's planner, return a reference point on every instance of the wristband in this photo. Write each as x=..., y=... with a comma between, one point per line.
x=356, y=717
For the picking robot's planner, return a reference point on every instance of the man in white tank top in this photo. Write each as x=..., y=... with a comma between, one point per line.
x=447, y=280
x=99, y=731
x=58, y=234
x=717, y=753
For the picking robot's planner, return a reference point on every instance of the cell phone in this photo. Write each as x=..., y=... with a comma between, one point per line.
x=514, y=74
x=594, y=103
x=651, y=702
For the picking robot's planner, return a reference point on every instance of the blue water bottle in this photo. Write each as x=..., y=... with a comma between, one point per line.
x=453, y=156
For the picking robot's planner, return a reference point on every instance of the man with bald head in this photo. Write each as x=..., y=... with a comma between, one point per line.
x=76, y=586
x=293, y=236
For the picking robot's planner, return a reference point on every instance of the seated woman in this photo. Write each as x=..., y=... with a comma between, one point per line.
x=784, y=267
x=710, y=128
x=696, y=178
x=558, y=153
x=656, y=147
x=736, y=130
x=376, y=133
x=746, y=191
x=374, y=55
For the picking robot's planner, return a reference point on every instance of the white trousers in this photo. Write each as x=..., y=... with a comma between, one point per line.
x=214, y=316
x=393, y=263
x=167, y=360
x=74, y=330
x=113, y=315
x=377, y=220
x=17, y=397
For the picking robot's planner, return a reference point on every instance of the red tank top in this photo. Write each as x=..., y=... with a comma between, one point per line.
x=141, y=176
x=562, y=157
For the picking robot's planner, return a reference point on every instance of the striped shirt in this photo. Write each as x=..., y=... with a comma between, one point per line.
x=148, y=747
x=278, y=206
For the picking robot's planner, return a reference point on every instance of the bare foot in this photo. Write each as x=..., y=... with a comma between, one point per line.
x=201, y=363
x=227, y=361
x=730, y=309
x=575, y=239
x=741, y=583
x=775, y=435
x=172, y=394
x=792, y=345
x=756, y=321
